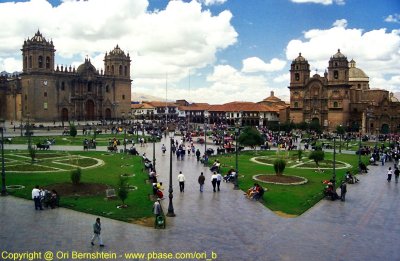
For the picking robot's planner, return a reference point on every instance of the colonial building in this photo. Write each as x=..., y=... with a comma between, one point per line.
x=342, y=96
x=46, y=92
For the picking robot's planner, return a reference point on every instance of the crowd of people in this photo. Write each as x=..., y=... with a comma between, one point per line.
x=45, y=198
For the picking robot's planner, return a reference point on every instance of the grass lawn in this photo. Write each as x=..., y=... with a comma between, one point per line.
x=293, y=200
x=101, y=139
x=114, y=165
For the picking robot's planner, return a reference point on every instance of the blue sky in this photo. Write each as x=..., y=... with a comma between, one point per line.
x=225, y=50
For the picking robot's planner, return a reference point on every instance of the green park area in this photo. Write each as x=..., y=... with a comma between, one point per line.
x=101, y=171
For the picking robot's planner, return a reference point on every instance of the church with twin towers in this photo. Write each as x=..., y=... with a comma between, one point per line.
x=45, y=91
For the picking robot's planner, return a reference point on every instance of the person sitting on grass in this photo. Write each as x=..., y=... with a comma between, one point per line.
x=253, y=190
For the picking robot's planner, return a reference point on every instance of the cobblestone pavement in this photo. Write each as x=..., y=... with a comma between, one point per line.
x=365, y=227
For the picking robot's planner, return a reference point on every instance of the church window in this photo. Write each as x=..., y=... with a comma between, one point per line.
x=26, y=97
x=45, y=94
x=335, y=64
x=126, y=70
x=40, y=61
x=112, y=69
x=359, y=86
x=62, y=86
x=107, y=88
x=123, y=96
x=120, y=70
x=45, y=105
x=335, y=104
x=30, y=61
x=296, y=104
x=297, y=67
x=108, y=69
x=297, y=76
x=47, y=62
x=335, y=74
x=89, y=87
x=25, y=62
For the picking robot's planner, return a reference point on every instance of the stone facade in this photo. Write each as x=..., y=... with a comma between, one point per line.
x=341, y=96
x=45, y=92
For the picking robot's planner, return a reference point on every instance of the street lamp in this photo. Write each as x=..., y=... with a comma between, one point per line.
x=205, y=134
x=334, y=161
x=28, y=131
x=359, y=155
x=3, y=171
x=171, y=132
x=154, y=146
x=237, y=132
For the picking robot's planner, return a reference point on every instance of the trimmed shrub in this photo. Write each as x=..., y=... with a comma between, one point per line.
x=72, y=130
x=76, y=176
x=279, y=166
x=122, y=189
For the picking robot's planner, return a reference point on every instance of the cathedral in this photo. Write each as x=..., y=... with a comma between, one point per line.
x=46, y=92
x=341, y=97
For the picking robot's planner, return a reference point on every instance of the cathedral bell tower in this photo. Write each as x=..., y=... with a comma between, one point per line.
x=117, y=63
x=38, y=54
x=338, y=70
x=299, y=71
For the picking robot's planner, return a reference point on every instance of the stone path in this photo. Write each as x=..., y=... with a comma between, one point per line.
x=365, y=227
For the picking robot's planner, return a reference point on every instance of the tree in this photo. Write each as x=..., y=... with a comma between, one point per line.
x=299, y=154
x=317, y=156
x=122, y=190
x=250, y=137
x=72, y=130
x=340, y=131
x=76, y=176
x=279, y=166
x=32, y=153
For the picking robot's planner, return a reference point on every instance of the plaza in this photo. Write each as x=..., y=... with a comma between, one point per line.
x=221, y=226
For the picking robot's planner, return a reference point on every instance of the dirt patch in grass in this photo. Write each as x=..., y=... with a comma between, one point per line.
x=279, y=179
x=83, y=189
x=147, y=221
x=282, y=214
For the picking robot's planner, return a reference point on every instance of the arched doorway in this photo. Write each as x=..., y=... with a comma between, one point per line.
x=385, y=129
x=315, y=120
x=90, y=110
x=108, y=114
x=64, y=114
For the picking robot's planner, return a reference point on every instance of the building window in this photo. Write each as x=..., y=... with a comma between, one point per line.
x=45, y=94
x=45, y=105
x=359, y=86
x=26, y=97
x=112, y=69
x=120, y=70
x=30, y=61
x=62, y=86
x=40, y=61
x=335, y=104
x=297, y=76
x=47, y=62
x=107, y=88
x=89, y=87
x=126, y=70
x=25, y=62
x=335, y=74
x=296, y=104
x=123, y=96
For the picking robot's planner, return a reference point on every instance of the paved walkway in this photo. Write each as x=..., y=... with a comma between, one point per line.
x=365, y=227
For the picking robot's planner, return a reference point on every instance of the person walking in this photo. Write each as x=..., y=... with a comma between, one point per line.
x=198, y=153
x=97, y=232
x=214, y=180
x=36, y=197
x=343, y=191
x=396, y=174
x=389, y=174
x=201, y=180
x=181, y=179
x=219, y=179
x=164, y=149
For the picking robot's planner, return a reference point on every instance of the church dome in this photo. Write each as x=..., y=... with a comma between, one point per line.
x=338, y=55
x=117, y=51
x=87, y=66
x=300, y=58
x=356, y=73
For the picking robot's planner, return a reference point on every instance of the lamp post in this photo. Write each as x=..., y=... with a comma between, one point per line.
x=28, y=131
x=237, y=132
x=205, y=134
x=153, y=136
x=340, y=139
x=3, y=171
x=171, y=213
x=359, y=155
x=334, y=161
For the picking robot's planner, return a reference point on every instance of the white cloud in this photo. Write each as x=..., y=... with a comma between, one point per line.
x=10, y=65
x=181, y=36
x=255, y=64
x=323, y=2
x=213, y=2
x=381, y=63
x=395, y=18
x=283, y=78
